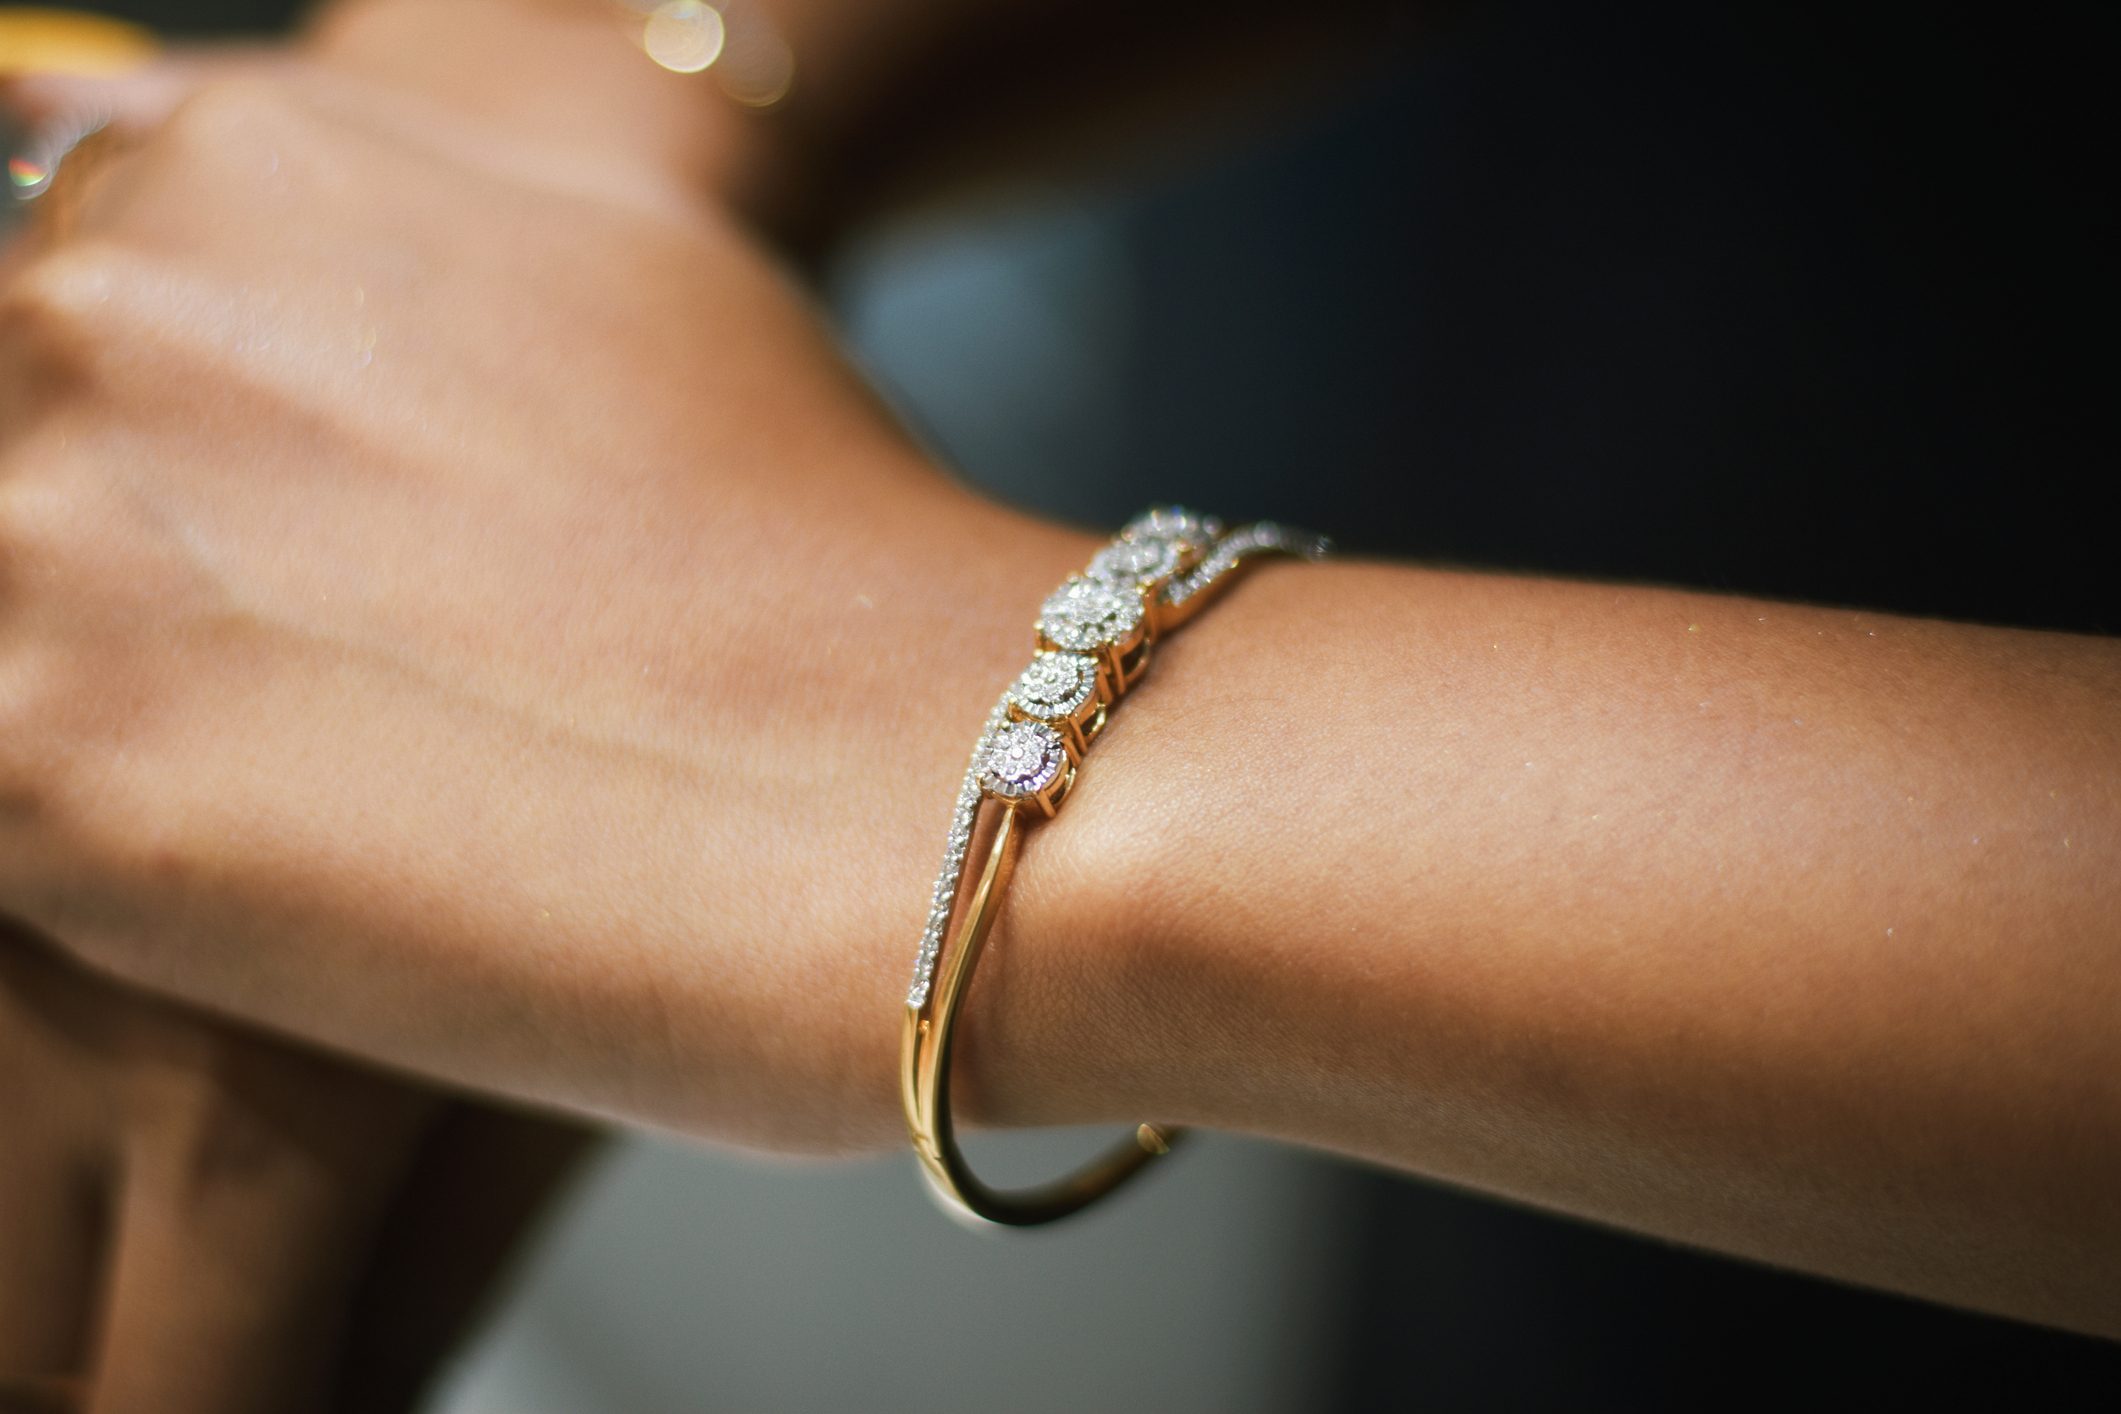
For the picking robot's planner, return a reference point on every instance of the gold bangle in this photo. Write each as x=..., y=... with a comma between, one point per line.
x=1094, y=637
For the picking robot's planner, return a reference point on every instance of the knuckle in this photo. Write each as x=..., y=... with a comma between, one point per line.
x=39, y=518
x=228, y=121
x=234, y=1114
x=49, y=530
x=26, y=760
x=62, y=304
x=34, y=524
x=36, y=750
x=225, y=1141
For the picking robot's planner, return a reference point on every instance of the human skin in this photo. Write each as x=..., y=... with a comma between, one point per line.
x=1785, y=931
x=374, y=1210
x=186, y=1206
x=562, y=696
x=195, y=1216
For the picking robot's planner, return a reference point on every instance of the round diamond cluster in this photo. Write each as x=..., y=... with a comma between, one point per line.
x=1088, y=614
x=1138, y=561
x=1055, y=686
x=1022, y=758
x=1173, y=523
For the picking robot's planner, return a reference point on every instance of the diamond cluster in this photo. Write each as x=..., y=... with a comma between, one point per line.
x=1096, y=610
x=1055, y=686
x=1173, y=523
x=1086, y=614
x=1138, y=562
x=1021, y=758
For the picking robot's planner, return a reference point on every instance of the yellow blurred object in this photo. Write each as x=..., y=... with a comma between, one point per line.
x=68, y=42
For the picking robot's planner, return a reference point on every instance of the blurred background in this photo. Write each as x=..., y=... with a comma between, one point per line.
x=1752, y=297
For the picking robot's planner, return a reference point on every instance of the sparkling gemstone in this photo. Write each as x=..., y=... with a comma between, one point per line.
x=1138, y=561
x=1055, y=686
x=1173, y=523
x=1087, y=614
x=1022, y=758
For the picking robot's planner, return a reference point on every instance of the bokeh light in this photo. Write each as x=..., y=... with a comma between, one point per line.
x=684, y=36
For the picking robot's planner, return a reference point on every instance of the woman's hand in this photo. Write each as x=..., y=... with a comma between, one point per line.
x=184, y=1207
x=456, y=606
x=199, y=1219
x=566, y=78
x=459, y=608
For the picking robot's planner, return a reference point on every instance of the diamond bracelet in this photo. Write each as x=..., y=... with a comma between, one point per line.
x=1094, y=634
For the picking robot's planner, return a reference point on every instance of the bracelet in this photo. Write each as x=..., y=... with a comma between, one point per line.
x=1094, y=637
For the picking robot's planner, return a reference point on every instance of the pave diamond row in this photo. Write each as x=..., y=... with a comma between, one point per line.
x=1260, y=537
x=1013, y=759
x=1055, y=686
x=962, y=818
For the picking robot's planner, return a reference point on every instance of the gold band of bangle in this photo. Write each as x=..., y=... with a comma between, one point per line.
x=1094, y=637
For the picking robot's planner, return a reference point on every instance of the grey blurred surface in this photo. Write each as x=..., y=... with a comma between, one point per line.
x=683, y=1279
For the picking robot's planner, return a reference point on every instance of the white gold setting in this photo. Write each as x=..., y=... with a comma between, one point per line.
x=1261, y=537
x=1173, y=523
x=1055, y=687
x=1022, y=759
x=1085, y=615
x=1139, y=562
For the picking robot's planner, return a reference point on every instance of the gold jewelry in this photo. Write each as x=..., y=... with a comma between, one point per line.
x=66, y=42
x=1094, y=637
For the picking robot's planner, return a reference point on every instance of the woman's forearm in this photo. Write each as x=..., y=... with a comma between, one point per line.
x=1787, y=931
x=554, y=686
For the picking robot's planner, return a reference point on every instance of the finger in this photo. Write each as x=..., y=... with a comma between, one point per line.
x=49, y=1249
x=244, y=1224
x=45, y=113
x=37, y=1395
x=61, y=69
x=137, y=100
x=51, y=1194
x=483, y=1179
x=140, y=97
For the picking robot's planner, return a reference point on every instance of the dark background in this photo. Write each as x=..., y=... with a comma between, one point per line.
x=1816, y=304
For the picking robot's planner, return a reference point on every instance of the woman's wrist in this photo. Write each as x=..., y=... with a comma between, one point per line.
x=1096, y=969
